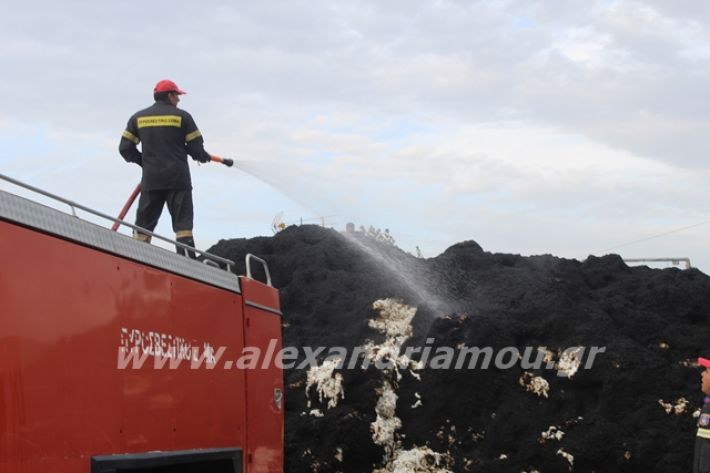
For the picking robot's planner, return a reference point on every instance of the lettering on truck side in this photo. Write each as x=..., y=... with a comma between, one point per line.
x=165, y=345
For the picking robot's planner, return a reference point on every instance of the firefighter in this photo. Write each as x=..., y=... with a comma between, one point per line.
x=167, y=135
x=701, y=464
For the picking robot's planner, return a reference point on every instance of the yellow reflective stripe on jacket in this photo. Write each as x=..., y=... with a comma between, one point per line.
x=183, y=233
x=191, y=136
x=160, y=120
x=704, y=433
x=131, y=137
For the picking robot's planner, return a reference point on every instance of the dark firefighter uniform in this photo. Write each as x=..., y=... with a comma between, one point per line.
x=702, y=441
x=167, y=134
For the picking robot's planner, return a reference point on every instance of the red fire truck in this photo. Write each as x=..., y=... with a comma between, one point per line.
x=119, y=356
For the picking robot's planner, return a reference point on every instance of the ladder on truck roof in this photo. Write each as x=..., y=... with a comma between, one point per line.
x=19, y=210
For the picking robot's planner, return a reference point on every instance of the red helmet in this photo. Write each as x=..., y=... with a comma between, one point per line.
x=168, y=86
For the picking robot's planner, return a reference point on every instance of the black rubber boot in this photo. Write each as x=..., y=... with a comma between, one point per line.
x=189, y=241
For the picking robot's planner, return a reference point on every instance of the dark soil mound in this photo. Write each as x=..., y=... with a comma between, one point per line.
x=649, y=321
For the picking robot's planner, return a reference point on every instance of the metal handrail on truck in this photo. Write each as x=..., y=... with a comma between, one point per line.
x=73, y=206
x=247, y=261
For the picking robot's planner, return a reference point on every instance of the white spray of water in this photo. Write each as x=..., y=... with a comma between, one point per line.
x=315, y=197
x=403, y=270
x=289, y=180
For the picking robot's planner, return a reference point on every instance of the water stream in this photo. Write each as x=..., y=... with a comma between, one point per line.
x=405, y=270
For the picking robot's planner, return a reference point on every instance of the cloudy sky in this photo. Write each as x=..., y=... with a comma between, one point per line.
x=563, y=127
